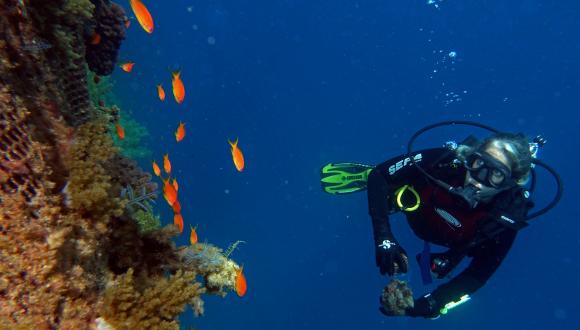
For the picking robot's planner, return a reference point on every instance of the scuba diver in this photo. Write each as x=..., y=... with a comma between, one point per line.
x=471, y=198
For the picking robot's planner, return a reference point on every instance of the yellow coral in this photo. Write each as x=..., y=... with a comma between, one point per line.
x=156, y=307
x=89, y=185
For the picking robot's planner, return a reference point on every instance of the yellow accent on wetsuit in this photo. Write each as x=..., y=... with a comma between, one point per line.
x=399, y=193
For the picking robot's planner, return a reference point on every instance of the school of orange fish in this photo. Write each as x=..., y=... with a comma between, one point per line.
x=170, y=185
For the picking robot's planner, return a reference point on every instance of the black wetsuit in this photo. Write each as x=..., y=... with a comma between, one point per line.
x=462, y=232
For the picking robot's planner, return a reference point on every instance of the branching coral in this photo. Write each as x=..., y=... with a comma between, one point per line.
x=141, y=200
x=126, y=306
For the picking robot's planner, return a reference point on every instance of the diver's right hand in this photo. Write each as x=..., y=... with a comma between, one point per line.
x=391, y=258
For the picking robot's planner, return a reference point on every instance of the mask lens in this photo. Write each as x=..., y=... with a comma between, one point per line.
x=496, y=178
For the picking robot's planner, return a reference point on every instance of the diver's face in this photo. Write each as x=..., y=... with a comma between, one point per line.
x=493, y=177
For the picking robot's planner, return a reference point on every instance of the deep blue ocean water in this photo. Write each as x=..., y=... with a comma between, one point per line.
x=307, y=82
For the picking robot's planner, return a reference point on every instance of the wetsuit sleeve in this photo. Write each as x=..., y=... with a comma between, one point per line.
x=486, y=259
x=387, y=177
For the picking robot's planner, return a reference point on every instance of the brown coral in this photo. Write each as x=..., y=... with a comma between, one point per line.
x=156, y=306
x=89, y=187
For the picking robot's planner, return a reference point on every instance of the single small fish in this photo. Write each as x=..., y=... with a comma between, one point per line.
x=120, y=131
x=193, y=235
x=176, y=207
x=237, y=155
x=169, y=192
x=127, y=66
x=241, y=285
x=96, y=79
x=161, y=92
x=95, y=39
x=178, y=220
x=180, y=132
x=143, y=15
x=178, y=88
x=175, y=184
x=166, y=164
x=127, y=22
x=156, y=168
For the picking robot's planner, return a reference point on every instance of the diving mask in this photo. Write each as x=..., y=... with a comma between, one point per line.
x=489, y=171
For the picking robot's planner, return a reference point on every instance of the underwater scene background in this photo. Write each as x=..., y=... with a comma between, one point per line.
x=300, y=84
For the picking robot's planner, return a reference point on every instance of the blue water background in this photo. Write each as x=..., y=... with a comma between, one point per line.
x=305, y=82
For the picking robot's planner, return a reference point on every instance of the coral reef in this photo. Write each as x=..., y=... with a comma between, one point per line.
x=71, y=254
x=110, y=26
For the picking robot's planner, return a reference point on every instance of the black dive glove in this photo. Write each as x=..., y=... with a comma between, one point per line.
x=390, y=256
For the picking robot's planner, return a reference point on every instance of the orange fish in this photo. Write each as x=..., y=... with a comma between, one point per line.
x=178, y=220
x=143, y=16
x=178, y=88
x=95, y=39
x=237, y=155
x=156, y=169
x=176, y=207
x=180, y=132
x=193, y=235
x=127, y=66
x=241, y=285
x=169, y=192
x=166, y=164
x=175, y=184
x=127, y=22
x=120, y=131
x=161, y=92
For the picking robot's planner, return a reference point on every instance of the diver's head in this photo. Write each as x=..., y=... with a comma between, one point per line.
x=500, y=162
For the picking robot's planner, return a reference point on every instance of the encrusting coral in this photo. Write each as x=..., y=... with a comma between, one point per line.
x=71, y=256
x=110, y=27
